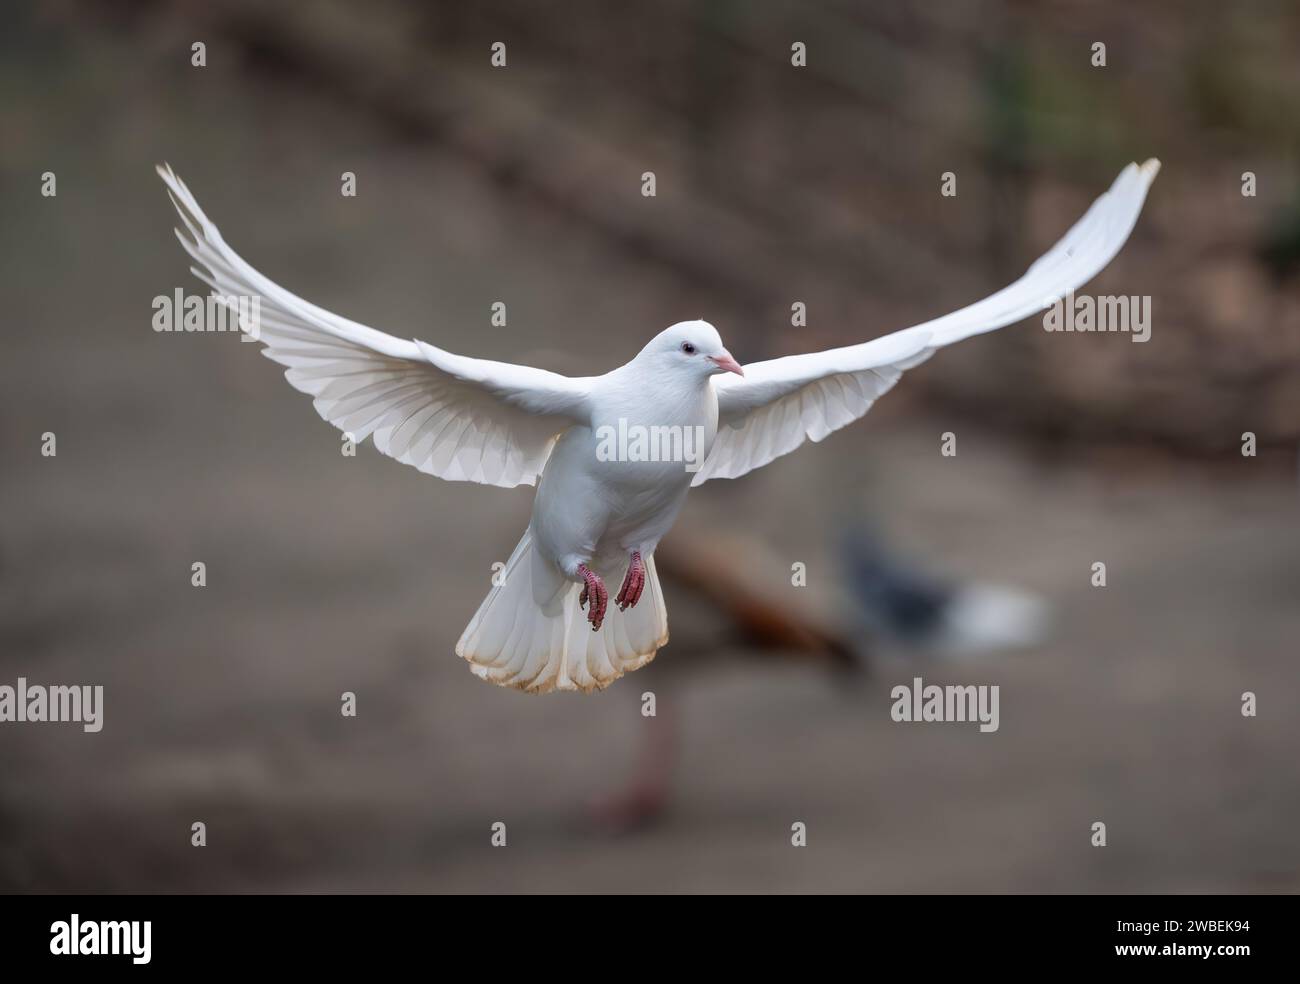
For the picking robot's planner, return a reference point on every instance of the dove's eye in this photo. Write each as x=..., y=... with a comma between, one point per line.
x=688, y=348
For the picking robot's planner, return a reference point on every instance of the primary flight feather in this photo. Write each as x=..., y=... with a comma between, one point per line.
x=596, y=515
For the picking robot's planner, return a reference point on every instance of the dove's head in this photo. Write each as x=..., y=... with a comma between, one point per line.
x=693, y=348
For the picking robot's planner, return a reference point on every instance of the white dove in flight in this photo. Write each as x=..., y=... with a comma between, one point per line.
x=546, y=625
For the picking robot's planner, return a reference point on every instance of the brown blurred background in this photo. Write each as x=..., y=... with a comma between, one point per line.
x=775, y=184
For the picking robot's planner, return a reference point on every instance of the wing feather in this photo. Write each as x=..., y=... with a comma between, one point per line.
x=779, y=404
x=444, y=414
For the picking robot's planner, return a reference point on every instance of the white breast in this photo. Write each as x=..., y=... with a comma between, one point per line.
x=623, y=480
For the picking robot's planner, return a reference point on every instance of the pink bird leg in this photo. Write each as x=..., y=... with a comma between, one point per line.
x=633, y=583
x=593, y=588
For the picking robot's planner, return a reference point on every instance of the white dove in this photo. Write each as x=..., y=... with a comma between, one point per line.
x=596, y=516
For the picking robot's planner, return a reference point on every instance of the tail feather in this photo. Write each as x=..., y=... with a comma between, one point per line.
x=515, y=641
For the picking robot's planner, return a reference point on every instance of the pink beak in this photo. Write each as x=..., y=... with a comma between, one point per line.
x=725, y=361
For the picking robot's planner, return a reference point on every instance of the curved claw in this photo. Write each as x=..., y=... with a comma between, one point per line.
x=633, y=583
x=593, y=590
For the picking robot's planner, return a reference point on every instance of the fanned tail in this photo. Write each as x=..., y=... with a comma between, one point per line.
x=516, y=641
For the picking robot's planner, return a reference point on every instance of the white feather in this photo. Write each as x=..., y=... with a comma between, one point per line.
x=779, y=404
x=447, y=415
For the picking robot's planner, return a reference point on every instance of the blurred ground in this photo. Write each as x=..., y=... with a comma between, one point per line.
x=328, y=573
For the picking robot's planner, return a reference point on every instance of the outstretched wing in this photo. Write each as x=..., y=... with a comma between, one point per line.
x=447, y=415
x=779, y=404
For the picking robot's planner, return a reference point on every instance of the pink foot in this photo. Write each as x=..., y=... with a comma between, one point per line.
x=593, y=588
x=633, y=583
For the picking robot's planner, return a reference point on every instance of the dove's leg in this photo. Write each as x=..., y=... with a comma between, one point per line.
x=633, y=583
x=593, y=589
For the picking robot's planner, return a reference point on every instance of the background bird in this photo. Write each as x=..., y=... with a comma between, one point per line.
x=896, y=599
x=596, y=518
